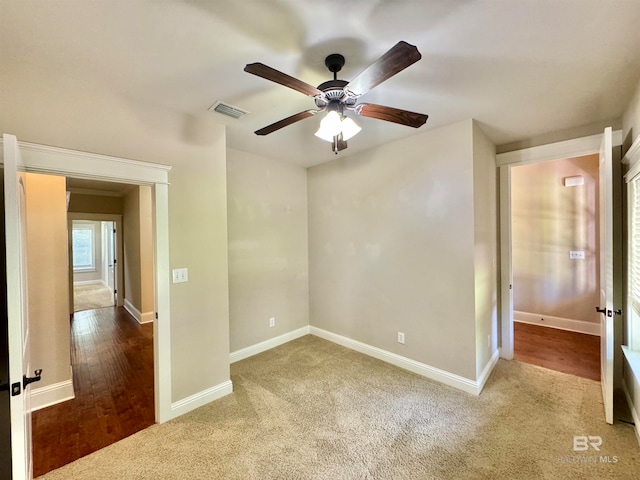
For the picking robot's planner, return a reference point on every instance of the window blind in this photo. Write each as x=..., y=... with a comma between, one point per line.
x=634, y=257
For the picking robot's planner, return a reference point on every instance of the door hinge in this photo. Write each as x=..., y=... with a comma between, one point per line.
x=115, y=260
x=115, y=291
x=156, y=315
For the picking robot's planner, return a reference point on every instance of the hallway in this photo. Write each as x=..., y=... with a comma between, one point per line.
x=112, y=359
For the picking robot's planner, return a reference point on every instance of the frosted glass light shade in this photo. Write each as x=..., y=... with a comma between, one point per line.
x=349, y=128
x=330, y=126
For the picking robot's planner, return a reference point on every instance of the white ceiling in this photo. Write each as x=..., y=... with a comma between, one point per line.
x=521, y=68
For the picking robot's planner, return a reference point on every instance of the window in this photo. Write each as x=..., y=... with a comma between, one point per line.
x=83, y=247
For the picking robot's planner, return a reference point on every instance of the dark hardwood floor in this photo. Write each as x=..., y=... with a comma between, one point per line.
x=568, y=352
x=112, y=358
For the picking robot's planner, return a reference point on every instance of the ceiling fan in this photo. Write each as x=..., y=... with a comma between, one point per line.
x=339, y=96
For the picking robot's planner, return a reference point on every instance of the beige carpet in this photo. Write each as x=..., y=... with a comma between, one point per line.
x=94, y=295
x=314, y=410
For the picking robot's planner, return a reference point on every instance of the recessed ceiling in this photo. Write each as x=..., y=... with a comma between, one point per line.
x=521, y=68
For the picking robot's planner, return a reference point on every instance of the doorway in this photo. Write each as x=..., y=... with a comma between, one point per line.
x=555, y=264
x=92, y=264
x=58, y=161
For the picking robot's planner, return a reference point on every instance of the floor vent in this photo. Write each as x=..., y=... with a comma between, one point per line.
x=228, y=110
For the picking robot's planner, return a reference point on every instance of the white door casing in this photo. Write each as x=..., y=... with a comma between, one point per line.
x=17, y=307
x=606, y=306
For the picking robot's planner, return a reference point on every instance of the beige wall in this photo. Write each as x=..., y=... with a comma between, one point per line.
x=549, y=220
x=268, y=253
x=485, y=210
x=47, y=264
x=147, y=295
x=131, y=247
x=83, y=203
x=391, y=248
x=85, y=116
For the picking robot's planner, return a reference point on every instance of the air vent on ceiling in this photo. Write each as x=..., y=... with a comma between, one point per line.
x=228, y=110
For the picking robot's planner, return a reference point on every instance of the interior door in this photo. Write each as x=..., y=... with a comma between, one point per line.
x=17, y=307
x=111, y=255
x=606, y=307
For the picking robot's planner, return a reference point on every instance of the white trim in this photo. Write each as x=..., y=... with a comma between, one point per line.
x=470, y=386
x=201, y=398
x=506, y=273
x=146, y=317
x=268, y=344
x=553, y=151
x=52, y=394
x=73, y=163
x=568, y=324
x=488, y=368
x=632, y=158
x=89, y=282
x=131, y=308
x=634, y=412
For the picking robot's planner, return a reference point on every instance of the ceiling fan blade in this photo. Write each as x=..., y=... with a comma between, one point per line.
x=264, y=71
x=390, y=114
x=285, y=122
x=399, y=57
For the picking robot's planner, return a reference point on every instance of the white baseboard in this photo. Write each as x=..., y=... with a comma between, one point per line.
x=486, y=372
x=51, y=394
x=560, y=323
x=268, y=344
x=201, y=398
x=433, y=373
x=90, y=282
x=145, y=317
x=634, y=412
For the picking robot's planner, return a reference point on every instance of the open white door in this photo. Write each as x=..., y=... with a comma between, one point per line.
x=606, y=307
x=17, y=309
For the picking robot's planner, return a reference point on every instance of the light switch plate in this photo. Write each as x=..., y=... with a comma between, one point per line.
x=576, y=254
x=180, y=275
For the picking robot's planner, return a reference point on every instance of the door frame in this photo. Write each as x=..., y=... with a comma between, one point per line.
x=75, y=164
x=99, y=217
x=505, y=161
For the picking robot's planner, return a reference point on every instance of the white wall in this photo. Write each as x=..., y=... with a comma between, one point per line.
x=391, y=248
x=268, y=252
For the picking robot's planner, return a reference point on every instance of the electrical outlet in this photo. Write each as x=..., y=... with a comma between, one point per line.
x=401, y=337
x=272, y=321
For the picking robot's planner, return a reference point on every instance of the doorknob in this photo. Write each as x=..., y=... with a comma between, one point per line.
x=601, y=310
x=618, y=312
x=27, y=380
